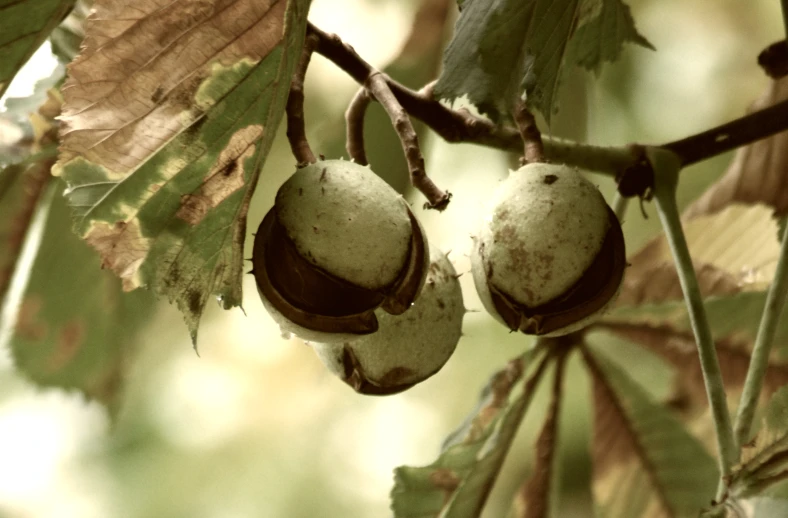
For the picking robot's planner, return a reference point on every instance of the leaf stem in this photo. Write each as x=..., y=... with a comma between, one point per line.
x=666, y=167
x=620, y=204
x=753, y=383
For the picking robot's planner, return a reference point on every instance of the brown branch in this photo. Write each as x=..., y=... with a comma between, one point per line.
x=456, y=126
x=354, y=117
x=436, y=198
x=532, y=138
x=744, y=130
x=296, y=127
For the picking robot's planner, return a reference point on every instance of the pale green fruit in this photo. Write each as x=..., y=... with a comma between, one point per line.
x=550, y=257
x=408, y=348
x=338, y=243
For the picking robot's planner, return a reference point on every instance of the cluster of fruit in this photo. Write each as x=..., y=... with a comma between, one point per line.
x=342, y=262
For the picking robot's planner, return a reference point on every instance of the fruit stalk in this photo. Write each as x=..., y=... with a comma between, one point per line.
x=379, y=88
x=354, y=118
x=532, y=138
x=296, y=127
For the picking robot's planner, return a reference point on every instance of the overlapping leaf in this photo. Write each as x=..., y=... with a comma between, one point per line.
x=170, y=111
x=765, y=461
x=66, y=321
x=538, y=496
x=24, y=25
x=645, y=464
x=517, y=48
x=458, y=483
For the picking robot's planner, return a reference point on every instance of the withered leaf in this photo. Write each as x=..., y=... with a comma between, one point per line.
x=170, y=111
x=458, y=483
x=645, y=464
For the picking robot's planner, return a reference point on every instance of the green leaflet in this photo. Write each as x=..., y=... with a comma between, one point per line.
x=66, y=321
x=645, y=462
x=518, y=48
x=162, y=144
x=24, y=25
x=764, y=462
x=457, y=484
x=734, y=317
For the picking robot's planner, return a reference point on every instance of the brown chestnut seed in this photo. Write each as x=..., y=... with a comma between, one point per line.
x=550, y=259
x=408, y=348
x=331, y=250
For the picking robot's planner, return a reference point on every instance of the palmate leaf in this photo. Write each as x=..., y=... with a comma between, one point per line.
x=517, y=48
x=66, y=321
x=645, y=464
x=457, y=484
x=24, y=25
x=169, y=113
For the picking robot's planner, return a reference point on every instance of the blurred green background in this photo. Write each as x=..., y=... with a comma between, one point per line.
x=255, y=426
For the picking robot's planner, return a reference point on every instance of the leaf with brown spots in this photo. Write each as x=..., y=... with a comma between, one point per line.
x=458, y=483
x=67, y=322
x=170, y=111
x=645, y=464
x=757, y=173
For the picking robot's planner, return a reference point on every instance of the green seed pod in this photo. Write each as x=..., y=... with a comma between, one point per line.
x=338, y=243
x=550, y=258
x=408, y=348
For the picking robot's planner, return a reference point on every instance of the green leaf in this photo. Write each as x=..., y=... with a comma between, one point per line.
x=68, y=36
x=765, y=461
x=538, y=496
x=518, y=48
x=24, y=25
x=644, y=462
x=458, y=482
x=170, y=111
x=734, y=317
x=66, y=321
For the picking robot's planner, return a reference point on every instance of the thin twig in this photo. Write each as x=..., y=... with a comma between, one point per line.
x=436, y=198
x=354, y=118
x=296, y=127
x=454, y=126
x=533, y=149
x=753, y=383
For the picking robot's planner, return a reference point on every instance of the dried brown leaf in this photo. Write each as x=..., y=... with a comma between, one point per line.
x=758, y=171
x=645, y=464
x=734, y=250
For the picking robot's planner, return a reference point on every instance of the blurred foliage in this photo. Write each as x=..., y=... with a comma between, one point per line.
x=255, y=427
